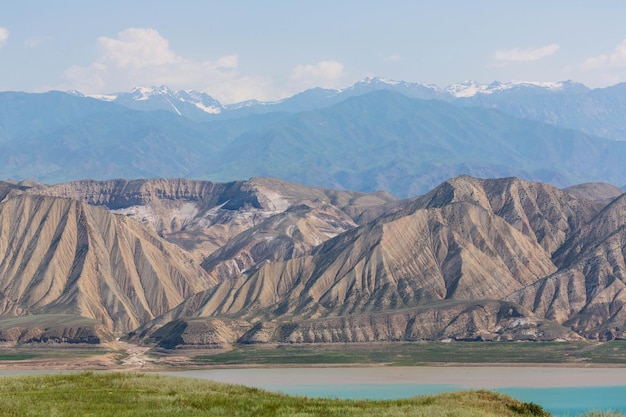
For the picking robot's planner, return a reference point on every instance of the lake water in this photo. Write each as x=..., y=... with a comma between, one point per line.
x=562, y=391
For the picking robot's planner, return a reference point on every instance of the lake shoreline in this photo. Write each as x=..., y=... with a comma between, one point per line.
x=106, y=362
x=121, y=355
x=468, y=377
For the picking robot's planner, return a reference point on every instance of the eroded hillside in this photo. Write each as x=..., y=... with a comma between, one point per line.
x=430, y=270
x=195, y=263
x=64, y=256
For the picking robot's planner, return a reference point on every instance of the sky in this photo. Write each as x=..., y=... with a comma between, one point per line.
x=271, y=49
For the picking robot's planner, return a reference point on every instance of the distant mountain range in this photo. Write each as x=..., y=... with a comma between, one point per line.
x=399, y=137
x=597, y=112
x=185, y=263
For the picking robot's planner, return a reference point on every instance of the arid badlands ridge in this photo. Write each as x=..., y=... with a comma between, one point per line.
x=184, y=263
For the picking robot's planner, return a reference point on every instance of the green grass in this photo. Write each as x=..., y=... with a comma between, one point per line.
x=422, y=353
x=611, y=352
x=16, y=356
x=123, y=394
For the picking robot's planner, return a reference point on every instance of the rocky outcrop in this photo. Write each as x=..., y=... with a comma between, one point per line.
x=473, y=321
x=53, y=329
x=199, y=333
x=463, y=321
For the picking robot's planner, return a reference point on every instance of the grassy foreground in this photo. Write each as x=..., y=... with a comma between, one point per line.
x=131, y=394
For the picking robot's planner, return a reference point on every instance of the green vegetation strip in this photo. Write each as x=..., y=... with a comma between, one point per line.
x=423, y=352
x=16, y=357
x=124, y=394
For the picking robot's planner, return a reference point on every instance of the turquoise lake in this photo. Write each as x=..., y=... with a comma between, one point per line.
x=562, y=391
x=568, y=401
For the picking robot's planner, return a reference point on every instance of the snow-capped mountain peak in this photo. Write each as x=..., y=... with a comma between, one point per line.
x=162, y=97
x=197, y=105
x=467, y=88
x=387, y=82
x=470, y=88
x=144, y=93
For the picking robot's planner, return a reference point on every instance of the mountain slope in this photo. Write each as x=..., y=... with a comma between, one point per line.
x=543, y=213
x=381, y=140
x=589, y=293
x=566, y=104
x=55, y=136
x=190, y=104
x=203, y=216
x=600, y=193
x=437, y=257
x=417, y=144
x=596, y=112
x=62, y=256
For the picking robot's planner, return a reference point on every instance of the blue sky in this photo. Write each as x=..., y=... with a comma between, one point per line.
x=237, y=50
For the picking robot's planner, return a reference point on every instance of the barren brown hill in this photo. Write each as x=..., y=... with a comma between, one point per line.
x=589, y=293
x=52, y=328
x=540, y=211
x=600, y=193
x=286, y=235
x=64, y=256
x=481, y=320
x=467, y=240
x=202, y=216
x=474, y=259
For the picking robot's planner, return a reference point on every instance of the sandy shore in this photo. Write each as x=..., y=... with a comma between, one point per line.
x=471, y=377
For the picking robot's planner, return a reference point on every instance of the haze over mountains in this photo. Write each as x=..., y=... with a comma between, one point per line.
x=376, y=135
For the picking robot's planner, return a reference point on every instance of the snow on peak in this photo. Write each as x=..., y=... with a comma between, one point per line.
x=470, y=88
x=378, y=80
x=75, y=93
x=144, y=93
x=103, y=97
x=382, y=83
x=200, y=100
x=467, y=88
x=208, y=109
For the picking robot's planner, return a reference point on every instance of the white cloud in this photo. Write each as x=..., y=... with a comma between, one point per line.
x=137, y=49
x=142, y=57
x=614, y=60
x=4, y=36
x=602, y=70
x=525, y=55
x=323, y=74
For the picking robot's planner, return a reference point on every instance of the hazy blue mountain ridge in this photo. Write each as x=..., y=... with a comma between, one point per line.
x=379, y=140
x=385, y=140
x=598, y=112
